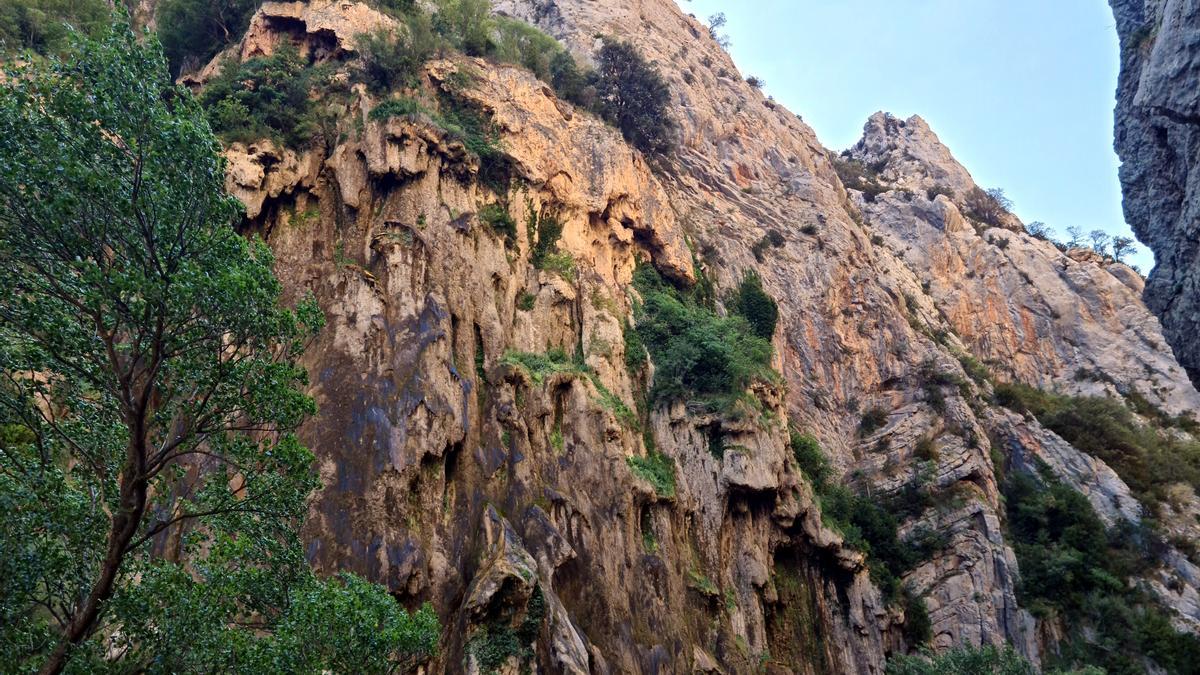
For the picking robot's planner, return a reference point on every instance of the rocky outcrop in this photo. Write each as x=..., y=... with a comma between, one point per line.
x=1158, y=140
x=508, y=497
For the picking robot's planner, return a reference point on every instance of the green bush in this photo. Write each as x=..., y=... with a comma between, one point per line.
x=540, y=366
x=193, y=31
x=871, y=525
x=658, y=470
x=467, y=24
x=753, y=303
x=547, y=230
x=518, y=42
x=632, y=95
x=1072, y=568
x=987, y=660
x=263, y=98
x=697, y=355
x=398, y=107
x=1147, y=457
x=857, y=176
x=873, y=419
x=393, y=59
x=810, y=459
x=41, y=25
x=497, y=217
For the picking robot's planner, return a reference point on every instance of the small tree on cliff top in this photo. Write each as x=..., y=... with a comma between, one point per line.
x=150, y=482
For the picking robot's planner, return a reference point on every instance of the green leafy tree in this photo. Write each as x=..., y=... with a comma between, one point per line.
x=193, y=31
x=759, y=308
x=41, y=25
x=150, y=478
x=632, y=95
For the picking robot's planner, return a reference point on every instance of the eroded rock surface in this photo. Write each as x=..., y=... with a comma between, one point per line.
x=1158, y=140
x=507, y=497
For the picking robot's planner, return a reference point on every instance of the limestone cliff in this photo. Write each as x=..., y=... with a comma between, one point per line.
x=1157, y=138
x=506, y=494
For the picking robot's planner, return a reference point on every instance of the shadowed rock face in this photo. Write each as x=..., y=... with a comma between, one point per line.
x=1158, y=140
x=508, y=499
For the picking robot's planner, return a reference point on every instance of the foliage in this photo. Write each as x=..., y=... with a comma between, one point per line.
x=263, y=98
x=873, y=419
x=560, y=262
x=987, y=206
x=540, y=366
x=397, y=107
x=810, y=459
x=758, y=308
x=41, y=26
x=547, y=230
x=1148, y=457
x=520, y=43
x=1071, y=567
x=392, y=59
x=772, y=239
x=658, y=470
x=193, y=31
x=867, y=524
x=467, y=24
x=697, y=355
x=497, y=217
x=986, y=660
x=632, y=95
x=857, y=176
x=152, y=482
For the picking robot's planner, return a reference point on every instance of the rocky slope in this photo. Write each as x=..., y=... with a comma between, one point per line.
x=506, y=493
x=1158, y=140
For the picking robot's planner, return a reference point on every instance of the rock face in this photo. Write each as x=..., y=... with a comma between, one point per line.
x=1158, y=140
x=507, y=496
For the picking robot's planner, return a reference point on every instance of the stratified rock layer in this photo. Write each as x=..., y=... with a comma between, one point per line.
x=507, y=497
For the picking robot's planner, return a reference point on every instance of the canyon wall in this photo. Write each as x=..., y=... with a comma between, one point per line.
x=508, y=494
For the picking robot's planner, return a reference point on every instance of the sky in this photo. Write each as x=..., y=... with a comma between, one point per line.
x=1021, y=91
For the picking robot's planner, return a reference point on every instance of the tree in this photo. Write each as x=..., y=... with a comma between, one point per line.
x=1076, y=236
x=1121, y=247
x=41, y=25
x=1000, y=198
x=193, y=31
x=715, y=23
x=1100, y=241
x=759, y=308
x=1039, y=230
x=150, y=477
x=632, y=95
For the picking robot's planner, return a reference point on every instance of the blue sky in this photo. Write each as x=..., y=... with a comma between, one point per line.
x=1022, y=91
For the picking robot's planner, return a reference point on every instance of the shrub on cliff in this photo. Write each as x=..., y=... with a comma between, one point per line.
x=1073, y=569
x=152, y=483
x=697, y=355
x=632, y=95
x=986, y=660
x=758, y=308
x=1149, y=457
x=263, y=98
x=391, y=59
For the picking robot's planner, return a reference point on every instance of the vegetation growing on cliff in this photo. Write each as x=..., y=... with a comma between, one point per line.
x=986, y=660
x=1075, y=570
x=1149, y=457
x=698, y=356
x=40, y=26
x=152, y=481
x=265, y=97
x=870, y=525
